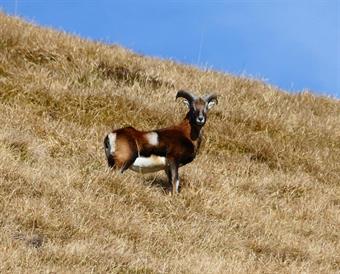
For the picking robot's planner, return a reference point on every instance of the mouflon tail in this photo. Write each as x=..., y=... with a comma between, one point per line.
x=109, y=155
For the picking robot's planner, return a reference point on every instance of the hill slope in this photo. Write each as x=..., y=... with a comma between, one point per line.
x=261, y=197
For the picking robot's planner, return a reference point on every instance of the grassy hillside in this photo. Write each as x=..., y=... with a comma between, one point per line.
x=263, y=195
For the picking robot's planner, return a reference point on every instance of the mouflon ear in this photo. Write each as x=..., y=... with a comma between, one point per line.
x=188, y=97
x=211, y=100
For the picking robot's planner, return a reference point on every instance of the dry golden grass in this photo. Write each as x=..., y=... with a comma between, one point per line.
x=263, y=195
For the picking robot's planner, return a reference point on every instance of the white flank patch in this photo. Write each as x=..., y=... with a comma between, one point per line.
x=112, y=141
x=152, y=138
x=149, y=164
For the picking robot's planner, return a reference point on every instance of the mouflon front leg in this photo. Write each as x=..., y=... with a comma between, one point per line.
x=172, y=173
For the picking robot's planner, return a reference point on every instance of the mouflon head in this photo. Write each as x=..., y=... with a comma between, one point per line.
x=198, y=106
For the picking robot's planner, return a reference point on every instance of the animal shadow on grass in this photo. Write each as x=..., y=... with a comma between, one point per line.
x=162, y=183
x=34, y=240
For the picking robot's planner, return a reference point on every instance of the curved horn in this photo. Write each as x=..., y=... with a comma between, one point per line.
x=210, y=98
x=186, y=95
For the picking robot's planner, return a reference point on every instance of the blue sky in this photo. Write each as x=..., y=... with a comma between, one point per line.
x=292, y=44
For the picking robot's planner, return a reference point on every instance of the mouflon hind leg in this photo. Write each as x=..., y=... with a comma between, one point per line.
x=128, y=163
